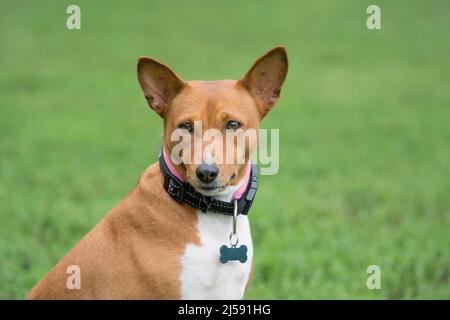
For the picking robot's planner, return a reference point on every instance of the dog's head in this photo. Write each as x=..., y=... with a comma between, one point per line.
x=210, y=117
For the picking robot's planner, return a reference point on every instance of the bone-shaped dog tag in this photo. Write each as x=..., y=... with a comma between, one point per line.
x=233, y=254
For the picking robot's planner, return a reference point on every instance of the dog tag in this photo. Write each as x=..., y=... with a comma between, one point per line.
x=233, y=254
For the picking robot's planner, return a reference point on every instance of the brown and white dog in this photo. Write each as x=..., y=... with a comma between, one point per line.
x=152, y=247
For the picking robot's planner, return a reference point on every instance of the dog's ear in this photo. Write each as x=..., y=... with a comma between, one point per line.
x=159, y=83
x=265, y=78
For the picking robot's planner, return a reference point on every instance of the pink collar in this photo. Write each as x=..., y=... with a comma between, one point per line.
x=238, y=193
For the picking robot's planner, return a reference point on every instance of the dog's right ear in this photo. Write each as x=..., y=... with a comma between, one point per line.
x=265, y=78
x=159, y=83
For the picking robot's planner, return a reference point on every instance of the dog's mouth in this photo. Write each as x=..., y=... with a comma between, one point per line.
x=211, y=189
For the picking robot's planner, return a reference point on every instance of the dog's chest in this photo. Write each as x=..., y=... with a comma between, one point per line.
x=203, y=276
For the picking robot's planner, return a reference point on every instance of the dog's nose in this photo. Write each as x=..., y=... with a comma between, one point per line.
x=207, y=172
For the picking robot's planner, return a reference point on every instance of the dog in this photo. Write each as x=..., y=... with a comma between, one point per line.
x=168, y=239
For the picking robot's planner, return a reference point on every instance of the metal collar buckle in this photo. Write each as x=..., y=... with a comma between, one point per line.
x=175, y=188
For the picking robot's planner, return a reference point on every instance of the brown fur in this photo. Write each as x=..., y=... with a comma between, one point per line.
x=133, y=253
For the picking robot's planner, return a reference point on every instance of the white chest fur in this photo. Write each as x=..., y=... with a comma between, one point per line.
x=203, y=275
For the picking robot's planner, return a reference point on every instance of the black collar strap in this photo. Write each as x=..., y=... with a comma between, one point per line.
x=184, y=192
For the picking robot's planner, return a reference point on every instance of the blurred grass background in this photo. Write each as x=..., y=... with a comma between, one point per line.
x=364, y=123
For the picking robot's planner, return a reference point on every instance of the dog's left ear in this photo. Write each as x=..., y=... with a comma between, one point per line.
x=159, y=84
x=265, y=78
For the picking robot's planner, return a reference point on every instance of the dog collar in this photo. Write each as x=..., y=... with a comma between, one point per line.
x=182, y=191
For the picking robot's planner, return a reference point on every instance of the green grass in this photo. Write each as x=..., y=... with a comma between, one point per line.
x=364, y=124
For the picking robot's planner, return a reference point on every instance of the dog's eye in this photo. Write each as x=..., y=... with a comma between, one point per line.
x=233, y=125
x=186, y=126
